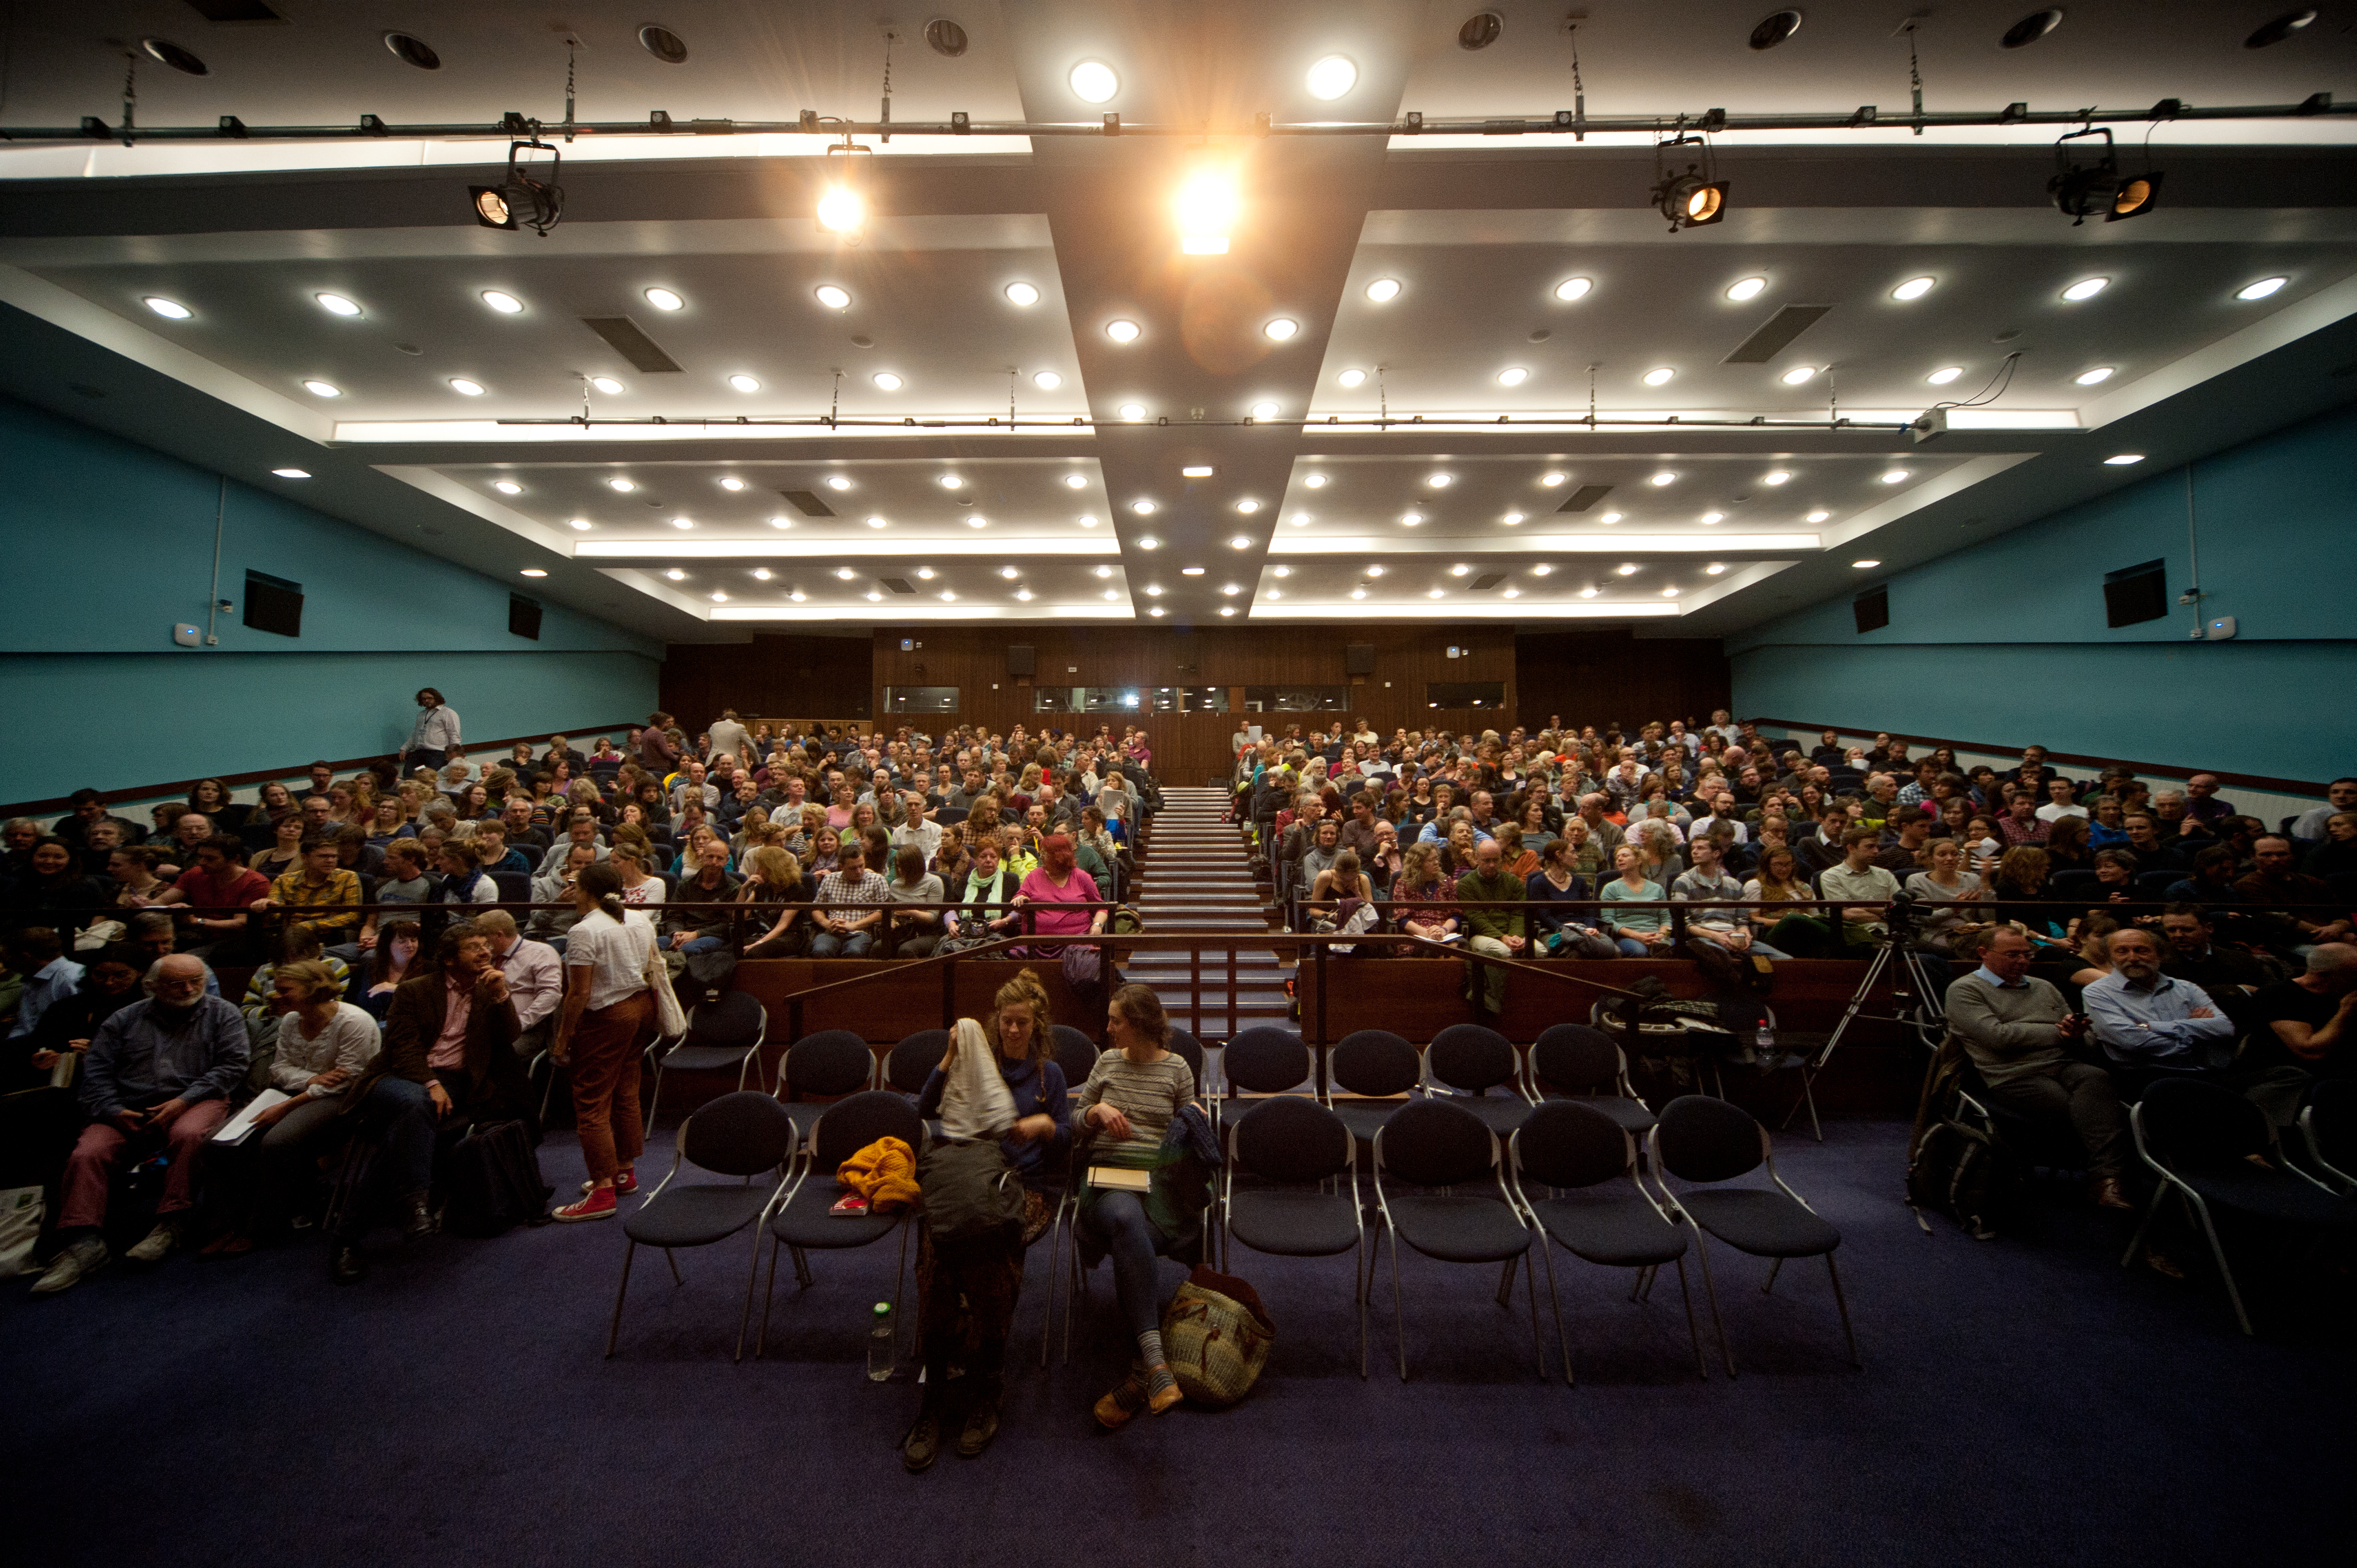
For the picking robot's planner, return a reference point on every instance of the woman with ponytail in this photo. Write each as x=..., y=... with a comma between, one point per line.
x=606, y=1020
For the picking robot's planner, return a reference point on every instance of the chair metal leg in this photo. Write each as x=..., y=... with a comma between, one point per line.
x=1843, y=1307
x=656, y=1097
x=2151, y=1212
x=899, y=1270
x=768, y=1295
x=1072, y=1294
x=2218, y=1253
x=1506, y=1281
x=1358, y=1288
x=1055, y=1253
x=614, y=1331
x=1718, y=1324
x=1642, y=1283
x=1561, y=1341
x=1770, y=1288
x=802, y=1276
x=677, y=1278
x=1399, y=1314
x=751, y=1276
x=1701, y=1364
x=1531, y=1294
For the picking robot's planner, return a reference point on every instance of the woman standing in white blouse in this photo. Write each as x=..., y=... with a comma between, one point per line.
x=606, y=1020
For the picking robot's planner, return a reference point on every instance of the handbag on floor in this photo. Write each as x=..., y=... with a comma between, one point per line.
x=1216, y=1336
x=492, y=1181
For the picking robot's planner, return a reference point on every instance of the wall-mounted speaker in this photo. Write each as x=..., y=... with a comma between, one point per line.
x=1872, y=609
x=1020, y=657
x=1359, y=659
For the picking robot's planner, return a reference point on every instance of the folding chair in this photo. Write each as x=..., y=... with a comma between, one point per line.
x=1574, y=1151
x=912, y=1061
x=1296, y=1146
x=830, y=1063
x=722, y=1034
x=1586, y=1067
x=1074, y=1052
x=1470, y=1059
x=740, y=1134
x=802, y=1223
x=2325, y=1126
x=1263, y=1060
x=1379, y=1069
x=1437, y=1145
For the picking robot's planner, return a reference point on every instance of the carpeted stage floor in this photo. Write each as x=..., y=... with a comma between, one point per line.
x=2024, y=1402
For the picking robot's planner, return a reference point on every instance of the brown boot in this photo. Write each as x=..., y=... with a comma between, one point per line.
x=2108, y=1193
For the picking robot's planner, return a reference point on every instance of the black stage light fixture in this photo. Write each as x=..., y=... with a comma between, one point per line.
x=2083, y=191
x=1693, y=198
x=519, y=199
x=2279, y=29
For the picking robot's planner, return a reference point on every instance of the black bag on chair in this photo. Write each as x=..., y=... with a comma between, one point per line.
x=970, y=1191
x=493, y=1182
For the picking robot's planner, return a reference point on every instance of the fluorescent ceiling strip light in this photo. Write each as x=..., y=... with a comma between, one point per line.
x=1515, y=546
x=167, y=158
x=964, y=610
x=1459, y=607
x=438, y=431
x=865, y=547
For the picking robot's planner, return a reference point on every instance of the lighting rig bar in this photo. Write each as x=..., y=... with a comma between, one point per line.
x=1562, y=121
x=1331, y=422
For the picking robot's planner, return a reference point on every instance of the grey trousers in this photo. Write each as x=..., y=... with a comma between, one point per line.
x=2077, y=1098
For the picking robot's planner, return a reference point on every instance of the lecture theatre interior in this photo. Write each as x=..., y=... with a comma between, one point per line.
x=779, y=765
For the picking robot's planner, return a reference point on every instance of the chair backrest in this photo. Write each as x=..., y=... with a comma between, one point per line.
x=850, y=1125
x=1470, y=1056
x=912, y=1061
x=1431, y=1143
x=1075, y=1053
x=1578, y=1061
x=738, y=1134
x=831, y=1061
x=733, y=1018
x=948, y=816
x=2075, y=883
x=515, y=887
x=2331, y=1118
x=1190, y=1050
x=2157, y=884
x=2190, y=1123
x=1703, y=1140
x=1265, y=1060
x=1374, y=1062
x=1292, y=1140
x=1566, y=1143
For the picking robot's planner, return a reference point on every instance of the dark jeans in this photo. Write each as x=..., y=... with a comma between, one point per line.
x=401, y=1114
x=2077, y=1098
x=1118, y=1221
x=411, y=761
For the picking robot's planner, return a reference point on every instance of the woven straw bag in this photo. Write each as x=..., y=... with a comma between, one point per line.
x=1216, y=1336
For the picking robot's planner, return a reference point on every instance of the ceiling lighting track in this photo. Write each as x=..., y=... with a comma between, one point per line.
x=1331, y=422
x=1562, y=123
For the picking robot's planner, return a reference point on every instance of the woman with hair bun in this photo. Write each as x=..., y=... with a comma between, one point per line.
x=606, y=1020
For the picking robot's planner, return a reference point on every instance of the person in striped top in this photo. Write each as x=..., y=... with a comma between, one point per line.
x=1133, y=1095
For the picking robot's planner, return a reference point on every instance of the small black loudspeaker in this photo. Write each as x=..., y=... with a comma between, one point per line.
x=1359, y=659
x=1872, y=609
x=1019, y=658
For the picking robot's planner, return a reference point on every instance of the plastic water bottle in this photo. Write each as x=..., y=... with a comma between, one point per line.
x=879, y=1344
x=1763, y=1044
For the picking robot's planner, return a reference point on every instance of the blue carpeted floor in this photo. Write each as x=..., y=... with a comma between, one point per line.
x=2024, y=1402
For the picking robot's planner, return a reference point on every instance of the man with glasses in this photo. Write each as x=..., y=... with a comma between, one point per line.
x=156, y=1080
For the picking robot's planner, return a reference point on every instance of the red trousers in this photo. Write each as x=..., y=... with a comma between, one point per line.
x=605, y=1047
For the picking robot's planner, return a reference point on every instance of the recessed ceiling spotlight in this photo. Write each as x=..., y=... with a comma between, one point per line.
x=1570, y=289
x=2260, y=289
x=1230, y=609
x=1132, y=412
x=1105, y=570
x=625, y=486
x=1513, y=376
x=1154, y=609
x=1248, y=506
x=2086, y=288
x=834, y=482
x=606, y=384
x=1944, y=374
x=873, y=597
x=1798, y=374
x=1511, y=519
x=953, y=481
x=1358, y=592
x=1551, y=480
x=1046, y=380
x=887, y=381
x=1314, y=480
x=2089, y=378
x=1352, y=378
x=1264, y=411
x=1865, y=566
x=507, y=486
x=1434, y=593
x=533, y=572
x=1894, y=476
x=323, y=389
x=1147, y=541
x=1383, y=291
x=831, y=296
x=1914, y=288
x=1411, y=517
x=170, y=309
x=505, y=303
x=1716, y=568
x=337, y=304
x=466, y=388
x=731, y=482
x=1122, y=330
x=1713, y=517
x=1742, y=289
x=719, y=598
x=1627, y=568
x=1196, y=470
x=1023, y=594
x=580, y=525
x=1283, y=327
x=1154, y=590
x=292, y=473
x=924, y=574
x=781, y=523
x=745, y=383
x=1301, y=519
x=1093, y=81
x=683, y=522
x=798, y=596
x=1610, y=516
x=1022, y=294
x=1658, y=376
x=1113, y=593
x=1510, y=592
x=1588, y=593
x=1777, y=478
x=1460, y=570
x=1086, y=522
x=1669, y=593
x=1664, y=477
x=676, y=576
x=1191, y=571
x=1076, y=481
x=761, y=573
x=948, y=597
x=1008, y=572
x=1141, y=507
x=2123, y=459
x=1819, y=516
x=847, y=574
x=977, y=520
x=1284, y=571
x=1241, y=542
x=1331, y=77
x=1374, y=571
x=664, y=299
x=1438, y=481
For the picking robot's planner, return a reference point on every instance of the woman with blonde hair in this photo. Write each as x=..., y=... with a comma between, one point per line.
x=998, y=1084
x=778, y=897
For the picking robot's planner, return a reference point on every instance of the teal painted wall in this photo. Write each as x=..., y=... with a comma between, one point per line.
x=110, y=544
x=2005, y=641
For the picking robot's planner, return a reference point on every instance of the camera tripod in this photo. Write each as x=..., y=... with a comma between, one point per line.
x=1915, y=1002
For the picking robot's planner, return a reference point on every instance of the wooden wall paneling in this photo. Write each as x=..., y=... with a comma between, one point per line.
x=1612, y=677
x=772, y=674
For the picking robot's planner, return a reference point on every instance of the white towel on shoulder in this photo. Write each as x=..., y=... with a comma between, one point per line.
x=976, y=1101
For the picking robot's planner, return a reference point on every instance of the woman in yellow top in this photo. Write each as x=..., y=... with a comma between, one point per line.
x=327, y=896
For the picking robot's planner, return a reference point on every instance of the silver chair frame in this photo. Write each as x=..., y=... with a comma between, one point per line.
x=751, y=1058
x=1225, y=1204
x=760, y=1223
x=1505, y=1279
x=806, y=1155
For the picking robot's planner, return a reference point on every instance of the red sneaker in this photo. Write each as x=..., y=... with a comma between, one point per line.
x=626, y=1184
x=598, y=1204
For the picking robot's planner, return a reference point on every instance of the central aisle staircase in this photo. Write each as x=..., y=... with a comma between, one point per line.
x=1194, y=878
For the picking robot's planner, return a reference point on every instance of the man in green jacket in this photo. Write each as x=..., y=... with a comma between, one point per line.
x=1500, y=933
